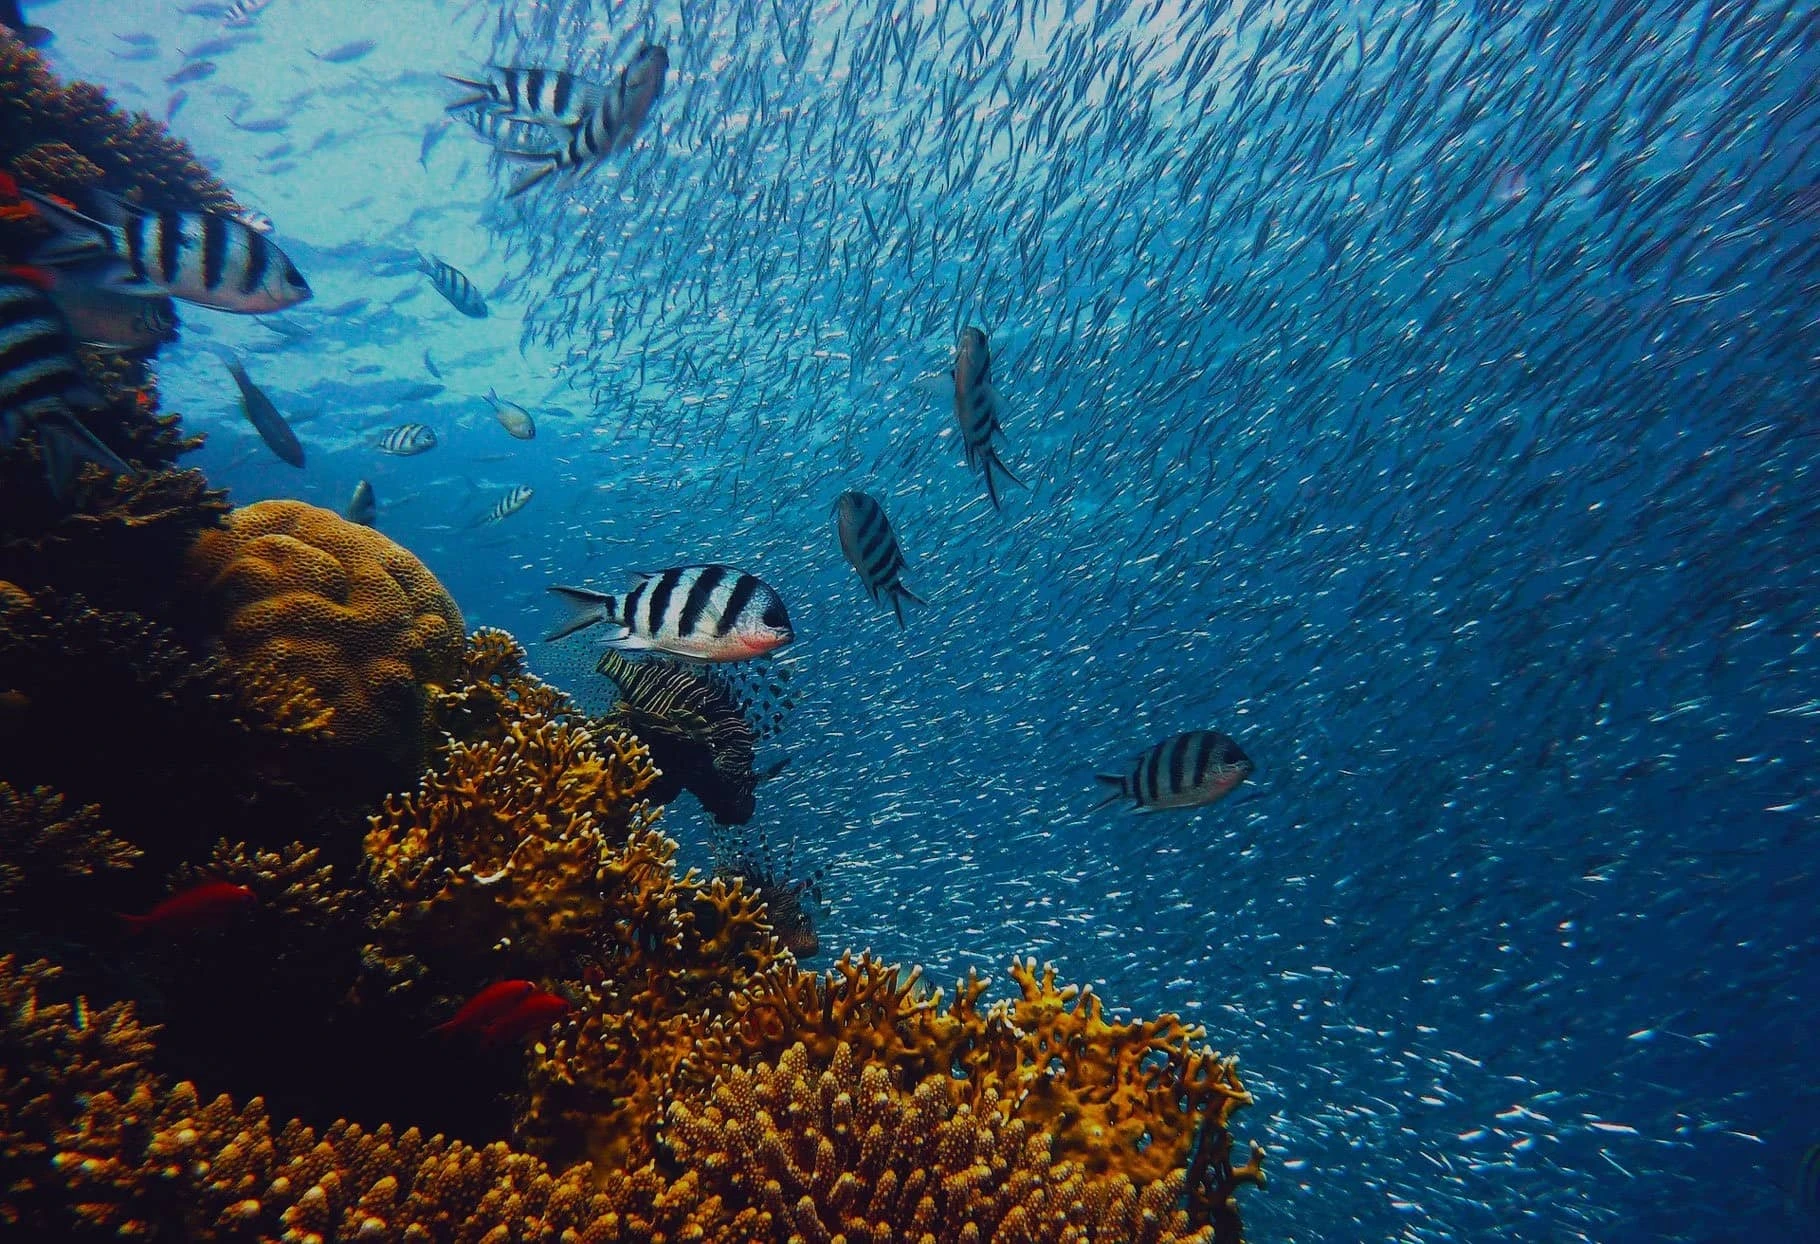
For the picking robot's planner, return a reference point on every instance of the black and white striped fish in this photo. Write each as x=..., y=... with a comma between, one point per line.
x=530, y=93
x=512, y=136
x=242, y=12
x=510, y=504
x=1189, y=771
x=42, y=385
x=610, y=127
x=453, y=284
x=407, y=440
x=698, y=613
x=871, y=548
x=208, y=258
x=977, y=406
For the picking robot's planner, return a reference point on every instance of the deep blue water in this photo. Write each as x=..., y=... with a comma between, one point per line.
x=1423, y=393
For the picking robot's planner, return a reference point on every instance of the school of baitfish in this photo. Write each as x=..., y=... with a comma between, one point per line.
x=1420, y=389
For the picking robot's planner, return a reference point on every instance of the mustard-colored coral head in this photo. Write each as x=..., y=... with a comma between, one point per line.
x=300, y=591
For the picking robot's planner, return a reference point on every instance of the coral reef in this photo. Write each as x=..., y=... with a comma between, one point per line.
x=65, y=139
x=299, y=590
x=46, y=844
x=494, y=687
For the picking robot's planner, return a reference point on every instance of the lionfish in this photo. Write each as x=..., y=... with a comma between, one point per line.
x=793, y=902
x=703, y=725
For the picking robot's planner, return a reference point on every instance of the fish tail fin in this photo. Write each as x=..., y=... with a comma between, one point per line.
x=900, y=594
x=546, y=167
x=478, y=93
x=1110, y=780
x=77, y=237
x=991, y=462
x=897, y=607
x=65, y=442
x=586, y=608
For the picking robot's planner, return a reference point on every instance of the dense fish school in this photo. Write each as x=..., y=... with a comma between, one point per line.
x=1419, y=393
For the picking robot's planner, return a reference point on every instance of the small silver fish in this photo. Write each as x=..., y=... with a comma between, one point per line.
x=514, y=418
x=344, y=52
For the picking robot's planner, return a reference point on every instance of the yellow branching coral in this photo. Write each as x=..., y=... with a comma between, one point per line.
x=494, y=687
x=840, y=1150
x=43, y=840
x=301, y=591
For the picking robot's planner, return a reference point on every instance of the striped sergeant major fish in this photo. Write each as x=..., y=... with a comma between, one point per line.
x=1191, y=770
x=242, y=12
x=610, y=127
x=453, y=285
x=871, y=548
x=42, y=384
x=697, y=613
x=510, y=504
x=530, y=93
x=408, y=440
x=511, y=136
x=977, y=406
x=208, y=258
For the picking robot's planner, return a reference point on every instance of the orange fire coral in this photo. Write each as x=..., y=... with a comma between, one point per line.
x=301, y=591
x=494, y=687
x=43, y=842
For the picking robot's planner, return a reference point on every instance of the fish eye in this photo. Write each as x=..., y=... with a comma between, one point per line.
x=775, y=618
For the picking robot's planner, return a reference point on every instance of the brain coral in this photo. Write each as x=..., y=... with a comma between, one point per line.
x=303, y=592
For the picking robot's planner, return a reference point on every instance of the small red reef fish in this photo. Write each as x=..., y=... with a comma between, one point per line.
x=533, y=1015
x=487, y=1007
x=200, y=907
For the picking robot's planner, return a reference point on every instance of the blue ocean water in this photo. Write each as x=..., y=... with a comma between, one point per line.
x=1423, y=393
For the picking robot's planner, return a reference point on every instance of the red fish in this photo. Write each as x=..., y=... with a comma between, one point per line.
x=204, y=906
x=534, y=1014
x=488, y=1006
x=41, y=279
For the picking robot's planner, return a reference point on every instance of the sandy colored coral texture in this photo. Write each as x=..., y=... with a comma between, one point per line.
x=299, y=590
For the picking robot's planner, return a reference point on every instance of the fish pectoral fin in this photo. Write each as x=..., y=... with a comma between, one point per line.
x=626, y=641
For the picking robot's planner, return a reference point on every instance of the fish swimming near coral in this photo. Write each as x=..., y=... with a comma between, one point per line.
x=13, y=18
x=508, y=505
x=1190, y=770
x=698, y=613
x=208, y=258
x=264, y=416
x=452, y=283
x=611, y=127
x=197, y=909
x=42, y=384
x=790, y=900
x=515, y=419
x=532, y=1015
x=107, y=319
x=491, y=1003
x=702, y=727
x=870, y=547
x=977, y=406
x=407, y=440
x=363, y=506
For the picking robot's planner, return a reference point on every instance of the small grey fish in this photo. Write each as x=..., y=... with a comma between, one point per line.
x=610, y=127
x=195, y=71
x=1191, y=770
x=698, y=613
x=430, y=365
x=453, y=285
x=510, y=504
x=871, y=548
x=344, y=52
x=261, y=125
x=264, y=416
x=213, y=47
x=976, y=407
x=514, y=418
x=407, y=440
x=363, y=507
